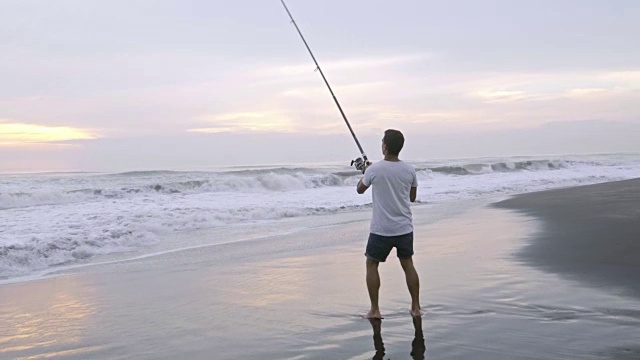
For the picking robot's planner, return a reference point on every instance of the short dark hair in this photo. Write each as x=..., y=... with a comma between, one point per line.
x=394, y=141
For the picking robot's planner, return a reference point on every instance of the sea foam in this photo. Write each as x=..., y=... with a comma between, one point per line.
x=58, y=219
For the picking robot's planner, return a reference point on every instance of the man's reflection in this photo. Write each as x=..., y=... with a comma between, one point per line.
x=376, y=324
x=418, y=347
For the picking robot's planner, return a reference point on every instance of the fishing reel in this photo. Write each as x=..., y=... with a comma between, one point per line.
x=360, y=164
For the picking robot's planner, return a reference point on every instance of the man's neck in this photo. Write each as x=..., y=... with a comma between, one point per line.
x=391, y=158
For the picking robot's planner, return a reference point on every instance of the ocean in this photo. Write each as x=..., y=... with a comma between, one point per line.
x=53, y=220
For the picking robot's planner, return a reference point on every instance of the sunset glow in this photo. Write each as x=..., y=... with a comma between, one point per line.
x=19, y=134
x=246, y=122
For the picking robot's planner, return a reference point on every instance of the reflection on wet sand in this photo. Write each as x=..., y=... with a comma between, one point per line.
x=34, y=331
x=270, y=283
x=418, y=347
x=378, y=344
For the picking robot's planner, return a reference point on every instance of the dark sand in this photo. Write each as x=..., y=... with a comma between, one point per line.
x=590, y=233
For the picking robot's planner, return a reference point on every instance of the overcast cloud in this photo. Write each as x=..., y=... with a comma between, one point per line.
x=119, y=85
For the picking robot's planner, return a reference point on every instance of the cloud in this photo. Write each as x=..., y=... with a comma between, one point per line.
x=21, y=134
x=502, y=95
x=535, y=87
x=368, y=63
x=435, y=102
x=241, y=122
x=629, y=77
x=584, y=92
x=320, y=91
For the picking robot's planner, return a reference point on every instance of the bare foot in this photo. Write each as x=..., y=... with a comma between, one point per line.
x=373, y=314
x=416, y=312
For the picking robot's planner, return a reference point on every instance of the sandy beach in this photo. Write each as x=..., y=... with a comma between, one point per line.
x=516, y=283
x=590, y=233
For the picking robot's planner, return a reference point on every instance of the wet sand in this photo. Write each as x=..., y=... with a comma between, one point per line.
x=590, y=233
x=300, y=296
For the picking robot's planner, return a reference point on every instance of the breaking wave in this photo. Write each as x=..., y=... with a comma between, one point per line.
x=152, y=183
x=477, y=169
x=53, y=219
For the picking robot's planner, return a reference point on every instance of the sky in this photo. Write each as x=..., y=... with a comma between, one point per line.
x=88, y=85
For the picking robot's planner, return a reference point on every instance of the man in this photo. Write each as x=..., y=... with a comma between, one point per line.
x=394, y=186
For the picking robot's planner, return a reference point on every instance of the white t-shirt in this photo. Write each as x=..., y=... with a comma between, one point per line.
x=392, y=182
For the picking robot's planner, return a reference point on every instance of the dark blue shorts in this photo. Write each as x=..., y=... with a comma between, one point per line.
x=379, y=247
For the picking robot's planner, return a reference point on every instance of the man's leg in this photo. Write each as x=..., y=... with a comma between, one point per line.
x=378, y=248
x=413, y=283
x=373, y=285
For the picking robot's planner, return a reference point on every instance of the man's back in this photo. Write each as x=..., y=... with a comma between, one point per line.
x=392, y=182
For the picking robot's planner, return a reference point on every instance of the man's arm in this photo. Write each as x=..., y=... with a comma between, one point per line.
x=414, y=187
x=361, y=188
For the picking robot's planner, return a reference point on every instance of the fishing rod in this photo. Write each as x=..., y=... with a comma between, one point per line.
x=359, y=163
